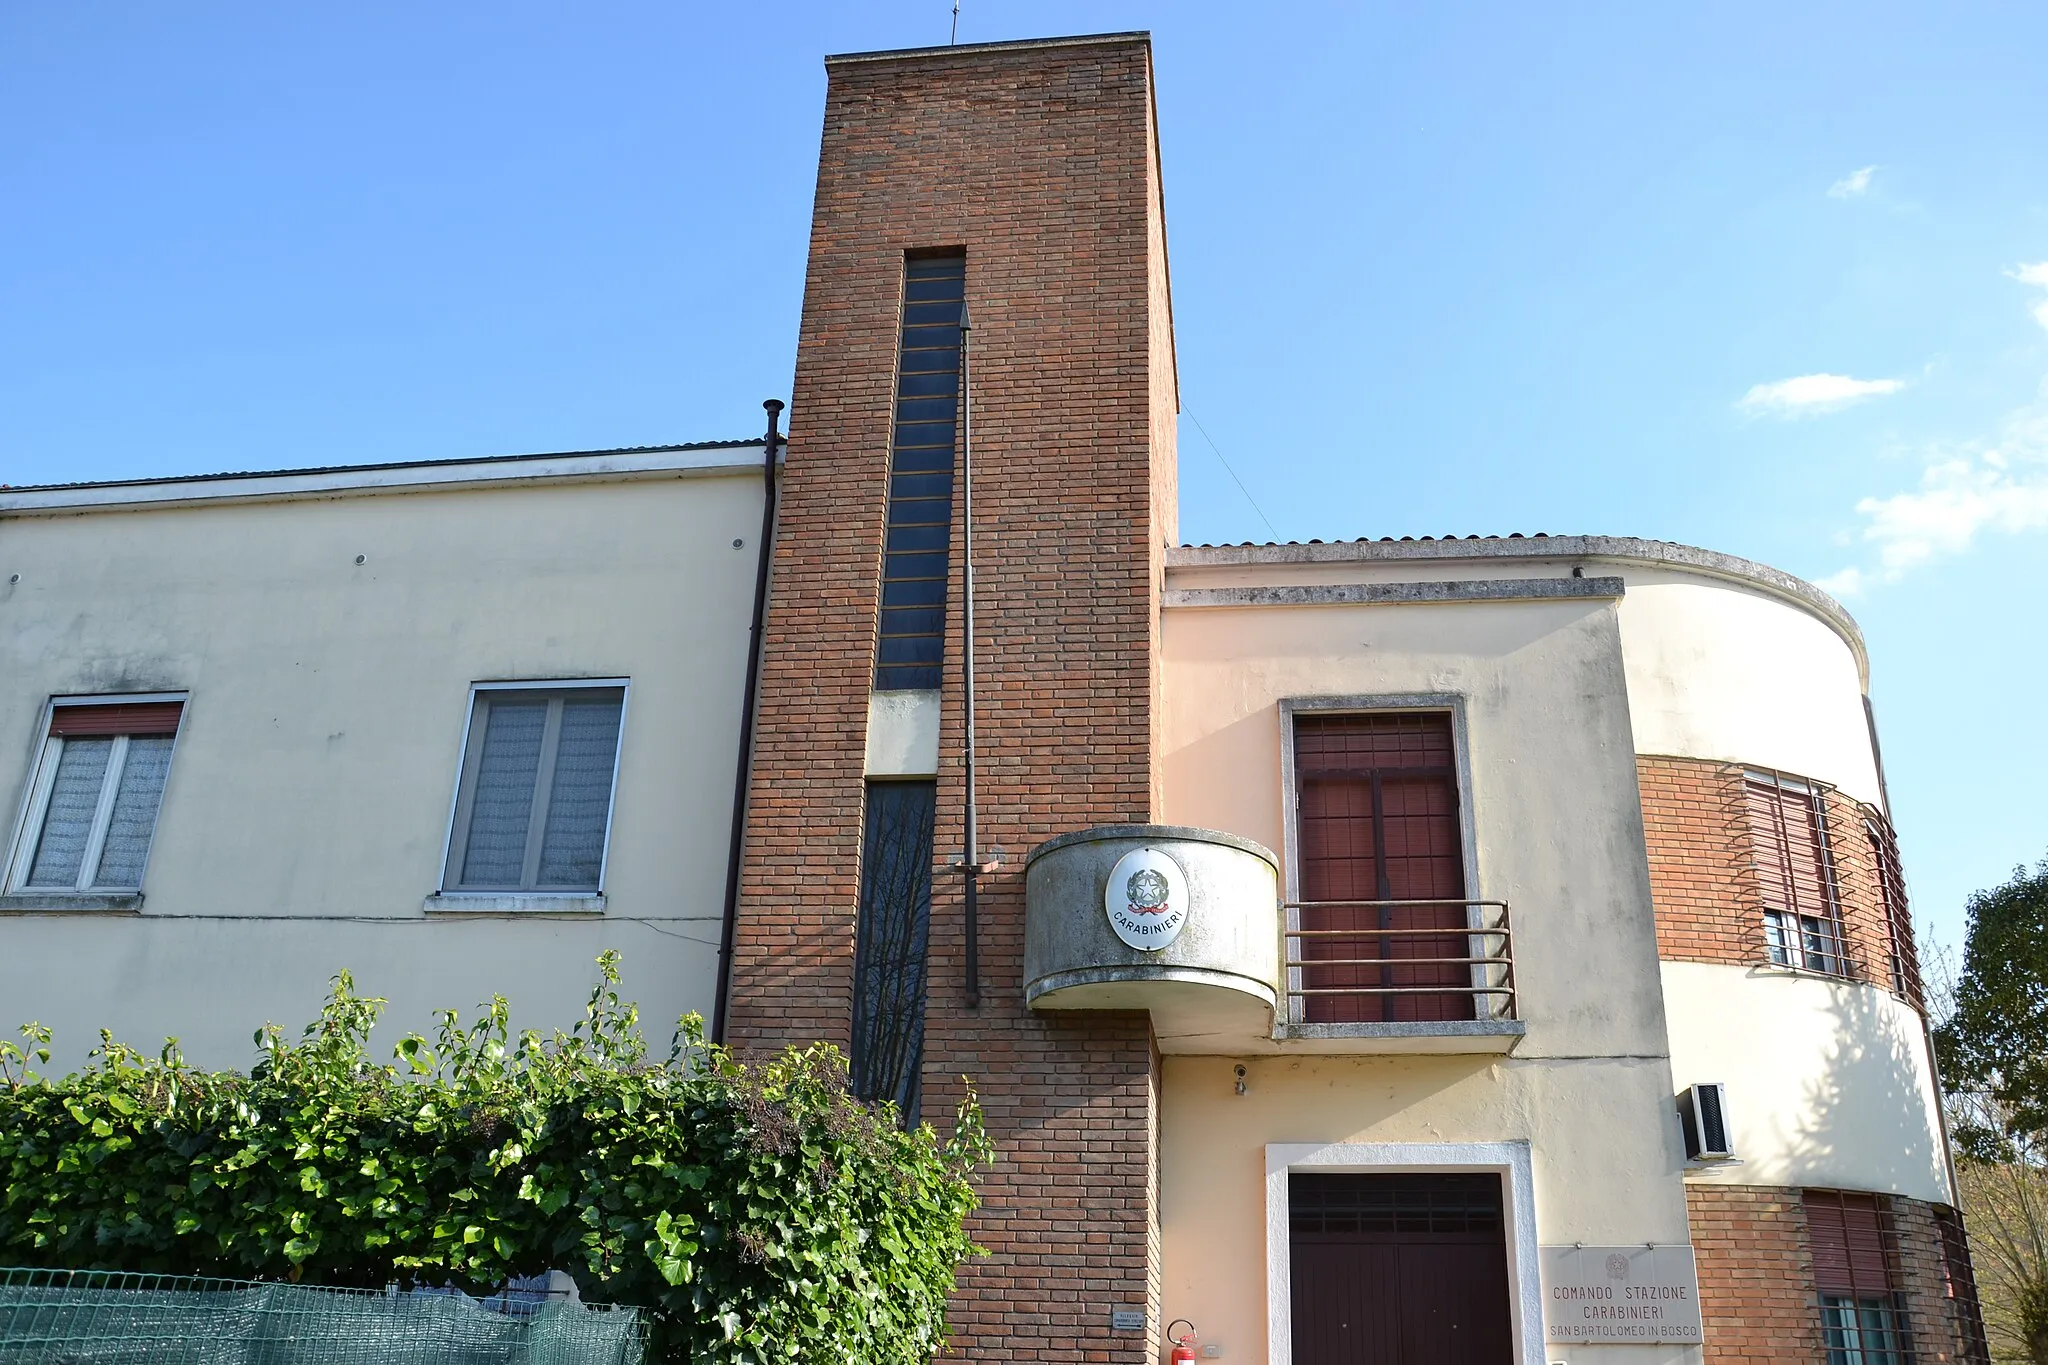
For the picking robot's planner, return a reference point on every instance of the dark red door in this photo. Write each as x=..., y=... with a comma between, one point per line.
x=1398, y=1270
x=1378, y=813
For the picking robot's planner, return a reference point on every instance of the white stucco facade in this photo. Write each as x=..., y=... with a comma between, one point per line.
x=326, y=630
x=1535, y=677
x=1829, y=1082
x=1564, y=659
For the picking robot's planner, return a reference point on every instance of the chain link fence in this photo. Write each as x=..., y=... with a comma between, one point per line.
x=91, y=1317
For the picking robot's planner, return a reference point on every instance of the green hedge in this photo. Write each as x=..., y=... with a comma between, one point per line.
x=762, y=1213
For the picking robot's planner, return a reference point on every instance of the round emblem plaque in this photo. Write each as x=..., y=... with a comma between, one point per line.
x=1146, y=899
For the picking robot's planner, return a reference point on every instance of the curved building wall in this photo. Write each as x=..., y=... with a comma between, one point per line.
x=1829, y=1085
x=1829, y=1080
x=1723, y=671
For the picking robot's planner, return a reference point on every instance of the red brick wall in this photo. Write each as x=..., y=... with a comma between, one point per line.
x=1702, y=882
x=1704, y=885
x=1757, y=1300
x=1040, y=161
x=1757, y=1294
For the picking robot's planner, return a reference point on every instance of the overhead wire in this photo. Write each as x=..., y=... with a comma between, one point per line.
x=1232, y=473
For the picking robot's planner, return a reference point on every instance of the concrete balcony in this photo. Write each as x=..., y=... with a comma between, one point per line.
x=1181, y=922
x=1188, y=925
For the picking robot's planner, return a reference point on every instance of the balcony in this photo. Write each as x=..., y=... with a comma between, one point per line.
x=1188, y=924
x=1177, y=921
x=1399, y=976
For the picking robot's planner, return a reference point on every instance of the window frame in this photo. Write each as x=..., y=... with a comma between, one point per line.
x=461, y=800
x=34, y=807
x=1433, y=703
x=1792, y=922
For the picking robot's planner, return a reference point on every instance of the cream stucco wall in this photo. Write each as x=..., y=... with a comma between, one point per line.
x=1828, y=1081
x=307, y=807
x=1556, y=822
x=1606, y=1161
x=1724, y=671
x=1552, y=802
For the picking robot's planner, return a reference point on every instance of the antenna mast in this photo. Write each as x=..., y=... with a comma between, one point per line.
x=956, y=24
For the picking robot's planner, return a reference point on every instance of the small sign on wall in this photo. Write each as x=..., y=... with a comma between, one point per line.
x=1620, y=1294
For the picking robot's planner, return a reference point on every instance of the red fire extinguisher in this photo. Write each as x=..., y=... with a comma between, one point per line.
x=1183, y=1345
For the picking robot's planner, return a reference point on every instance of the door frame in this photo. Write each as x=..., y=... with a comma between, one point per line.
x=1518, y=1199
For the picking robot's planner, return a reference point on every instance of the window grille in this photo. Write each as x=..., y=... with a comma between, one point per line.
x=1394, y=1203
x=534, y=803
x=1959, y=1286
x=910, y=648
x=94, y=796
x=1898, y=914
x=1788, y=835
x=1855, y=1266
x=892, y=935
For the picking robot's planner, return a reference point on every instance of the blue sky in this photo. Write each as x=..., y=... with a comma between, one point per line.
x=1774, y=283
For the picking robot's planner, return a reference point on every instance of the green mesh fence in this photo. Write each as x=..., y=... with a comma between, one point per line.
x=85, y=1317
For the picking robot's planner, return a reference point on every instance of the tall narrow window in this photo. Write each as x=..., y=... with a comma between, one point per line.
x=1854, y=1265
x=533, y=809
x=93, y=800
x=1898, y=915
x=1380, y=851
x=892, y=934
x=1788, y=840
x=911, y=645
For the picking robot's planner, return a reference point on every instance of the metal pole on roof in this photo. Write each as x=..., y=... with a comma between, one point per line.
x=956, y=24
x=971, y=854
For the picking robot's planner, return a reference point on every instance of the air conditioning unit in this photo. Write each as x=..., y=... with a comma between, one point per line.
x=1703, y=1113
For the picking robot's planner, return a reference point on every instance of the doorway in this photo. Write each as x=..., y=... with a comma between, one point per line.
x=1398, y=1270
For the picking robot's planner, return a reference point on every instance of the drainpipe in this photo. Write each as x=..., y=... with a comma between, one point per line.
x=744, y=766
x=970, y=861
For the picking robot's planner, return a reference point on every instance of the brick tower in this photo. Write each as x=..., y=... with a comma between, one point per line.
x=1037, y=165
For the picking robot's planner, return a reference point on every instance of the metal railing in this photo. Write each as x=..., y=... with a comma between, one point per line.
x=1396, y=961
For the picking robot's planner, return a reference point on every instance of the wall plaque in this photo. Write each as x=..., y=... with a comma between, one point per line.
x=1620, y=1294
x=1146, y=899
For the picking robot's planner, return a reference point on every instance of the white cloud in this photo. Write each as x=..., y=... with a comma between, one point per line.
x=1963, y=494
x=1813, y=393
x=1853, y=184
x=1848, y=583
x=2035, y=274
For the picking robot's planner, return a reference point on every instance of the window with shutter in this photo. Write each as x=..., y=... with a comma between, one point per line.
x=1380, y=849
x=1959, y=1286
x=1788, y=837
x=93, y=798
x=534, y=801
x=1855, y=1256
x=1898, y=915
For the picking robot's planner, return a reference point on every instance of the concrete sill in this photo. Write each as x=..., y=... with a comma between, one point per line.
x=1451, y=1036
x=87, y=903
x=513, y=903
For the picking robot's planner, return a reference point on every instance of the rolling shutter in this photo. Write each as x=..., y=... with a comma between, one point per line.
x=1850, y=1234
x=117, y=718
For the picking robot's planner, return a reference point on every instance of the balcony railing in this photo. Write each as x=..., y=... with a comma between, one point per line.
x=1403, y=962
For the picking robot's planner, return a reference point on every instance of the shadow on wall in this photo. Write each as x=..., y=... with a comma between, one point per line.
x=1864, y=1120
